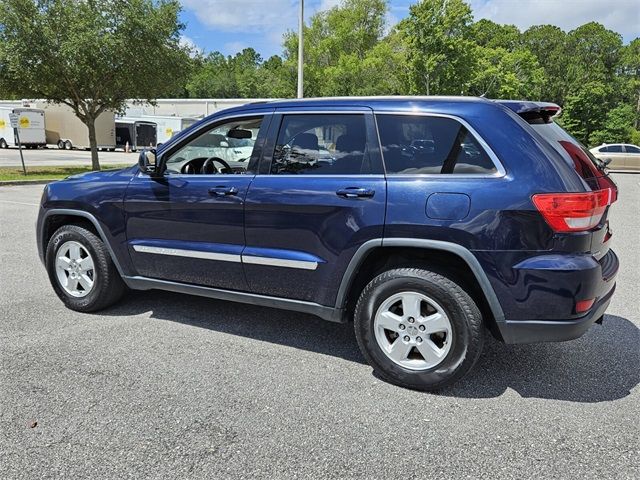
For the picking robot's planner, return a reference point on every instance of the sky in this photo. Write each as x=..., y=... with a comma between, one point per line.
x=231, y=25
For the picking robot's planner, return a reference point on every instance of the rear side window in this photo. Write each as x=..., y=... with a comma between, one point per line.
x=632, y=149
x=587, y=166
x=414, y=145
x=322, y=144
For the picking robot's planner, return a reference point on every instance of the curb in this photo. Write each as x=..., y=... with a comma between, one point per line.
x=7, y=183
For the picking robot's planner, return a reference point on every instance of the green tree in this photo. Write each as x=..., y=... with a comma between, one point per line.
x=549, y=44
x=212, y=77
x=338, y=47
x=585, y=110
x=630, y=66
x=617, y=126
x=440, y=53
x=91, y=55
x=509, y=75
x=593, y=54
x=494, y=35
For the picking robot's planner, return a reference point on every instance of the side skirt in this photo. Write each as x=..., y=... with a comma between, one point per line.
x=326, y=313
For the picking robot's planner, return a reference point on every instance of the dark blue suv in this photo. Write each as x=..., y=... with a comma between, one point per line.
x=424, y=220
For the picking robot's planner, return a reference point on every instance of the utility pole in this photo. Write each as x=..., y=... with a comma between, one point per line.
x=301, y=51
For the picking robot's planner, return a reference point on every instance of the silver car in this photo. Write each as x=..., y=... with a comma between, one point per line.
x=621, y=156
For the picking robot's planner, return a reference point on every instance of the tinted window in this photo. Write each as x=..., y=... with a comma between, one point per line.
x=603, y=149
x=430, y=145
x=572, y=150
x=615, y=148
x=330, y=144
x=632, y=149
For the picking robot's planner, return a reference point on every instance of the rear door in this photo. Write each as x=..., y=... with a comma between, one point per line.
x=319, y=196
x=632, y=158
x=617, y=155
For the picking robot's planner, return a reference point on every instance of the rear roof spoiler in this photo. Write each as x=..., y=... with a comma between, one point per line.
x=524, y=106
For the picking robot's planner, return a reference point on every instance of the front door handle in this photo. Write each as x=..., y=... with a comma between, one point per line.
x=355, y=192
x=222, y=191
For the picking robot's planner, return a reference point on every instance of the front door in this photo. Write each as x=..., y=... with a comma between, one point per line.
x=320, y=195
x=188, y=224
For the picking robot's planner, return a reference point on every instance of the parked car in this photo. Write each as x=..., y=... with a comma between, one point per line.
x=618, y=155
x=496, y=219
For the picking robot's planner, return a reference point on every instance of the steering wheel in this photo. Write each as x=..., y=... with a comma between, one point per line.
x=208, y=167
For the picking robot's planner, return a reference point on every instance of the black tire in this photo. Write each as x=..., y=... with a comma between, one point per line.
x=60, y=144
x=68, y=145
x=465, y=318
x=108, y=287
x=3, y=143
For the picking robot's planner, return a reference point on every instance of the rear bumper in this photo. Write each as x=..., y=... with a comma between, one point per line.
x=534, y=331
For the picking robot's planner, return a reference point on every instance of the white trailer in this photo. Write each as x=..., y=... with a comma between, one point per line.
x=67, y=131
x=135, y=133
x=31, y=127
x=167, y=125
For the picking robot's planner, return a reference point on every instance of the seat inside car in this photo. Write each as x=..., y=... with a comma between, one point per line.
x=350, y=153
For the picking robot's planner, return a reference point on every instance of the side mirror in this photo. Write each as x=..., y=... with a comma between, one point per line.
x=147, y=161
x=607, y=161
x=224, y=144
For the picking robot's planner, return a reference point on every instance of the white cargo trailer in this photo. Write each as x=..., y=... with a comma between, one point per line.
x=66, y=130
x=31, y=127
x=168, y=125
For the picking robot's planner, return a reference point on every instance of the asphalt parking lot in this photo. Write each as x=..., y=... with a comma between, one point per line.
x=171, y=386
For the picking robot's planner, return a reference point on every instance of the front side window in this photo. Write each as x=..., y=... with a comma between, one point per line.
x=321, y=144
x=603, y=149
x=414, y=145
x=615, y=148
x=225, y=148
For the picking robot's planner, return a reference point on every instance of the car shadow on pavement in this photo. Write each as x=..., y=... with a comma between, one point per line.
x=603, y=365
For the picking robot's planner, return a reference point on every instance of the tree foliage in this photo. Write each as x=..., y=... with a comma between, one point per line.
x=350, y=49
x=91, y=55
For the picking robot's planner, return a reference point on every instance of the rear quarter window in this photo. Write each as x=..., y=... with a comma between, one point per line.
x=576, y=154
x=418, y=145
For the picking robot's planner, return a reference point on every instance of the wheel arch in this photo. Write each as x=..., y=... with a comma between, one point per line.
x=56, y=218
x=448, y=258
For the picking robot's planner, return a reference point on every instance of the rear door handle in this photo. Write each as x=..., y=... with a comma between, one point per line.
x=355, y=192
x=222, y=191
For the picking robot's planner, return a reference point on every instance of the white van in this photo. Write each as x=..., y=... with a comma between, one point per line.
x=31, y=127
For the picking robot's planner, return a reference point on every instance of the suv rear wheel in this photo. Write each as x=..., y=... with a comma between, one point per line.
x=81, y=271
x=418, y=329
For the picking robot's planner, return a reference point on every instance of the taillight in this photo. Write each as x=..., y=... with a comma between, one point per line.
x=572, y=212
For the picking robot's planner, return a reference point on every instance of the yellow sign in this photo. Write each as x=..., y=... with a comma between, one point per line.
x=169, y=132
x=24, y=122
x=2, y=124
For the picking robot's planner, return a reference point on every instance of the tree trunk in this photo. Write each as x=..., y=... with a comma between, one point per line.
x=93, y=143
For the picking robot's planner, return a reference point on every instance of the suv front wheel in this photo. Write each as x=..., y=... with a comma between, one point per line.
x=418, y=329
x=81, y=271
